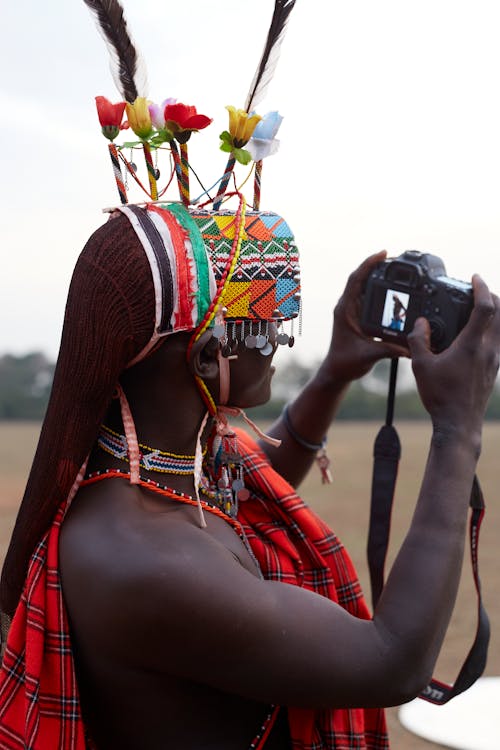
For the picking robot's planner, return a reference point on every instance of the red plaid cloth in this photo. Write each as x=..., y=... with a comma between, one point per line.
x=293, y=545
x=39, y=703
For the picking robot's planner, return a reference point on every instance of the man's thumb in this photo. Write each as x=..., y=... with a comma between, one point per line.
x=420, y=337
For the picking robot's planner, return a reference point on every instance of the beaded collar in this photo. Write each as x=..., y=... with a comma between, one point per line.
x=151, y=459
x=223, y=494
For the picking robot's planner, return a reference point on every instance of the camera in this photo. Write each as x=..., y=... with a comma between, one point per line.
x=415, y=284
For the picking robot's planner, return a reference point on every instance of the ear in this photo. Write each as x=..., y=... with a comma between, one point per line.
x=203, y=359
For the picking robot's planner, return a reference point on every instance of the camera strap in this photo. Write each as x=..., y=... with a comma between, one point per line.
x=386, y=455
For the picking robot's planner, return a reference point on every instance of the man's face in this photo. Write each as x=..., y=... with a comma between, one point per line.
x=251, y=371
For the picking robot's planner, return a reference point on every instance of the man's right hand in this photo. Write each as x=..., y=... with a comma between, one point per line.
x=455, y=384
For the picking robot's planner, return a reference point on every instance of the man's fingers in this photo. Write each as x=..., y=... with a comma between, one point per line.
x=482, y=312
x=359, y=276
x=393, y=350
x=419, y=340
x=495, y=324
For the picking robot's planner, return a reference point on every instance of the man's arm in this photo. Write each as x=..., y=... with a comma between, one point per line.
x=351, y=355
x=204, y=618
x=210, y=621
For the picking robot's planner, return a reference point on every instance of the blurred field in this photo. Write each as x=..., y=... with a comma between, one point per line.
x=345, y=506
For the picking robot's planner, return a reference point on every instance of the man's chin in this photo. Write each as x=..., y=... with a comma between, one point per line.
x=257, y=399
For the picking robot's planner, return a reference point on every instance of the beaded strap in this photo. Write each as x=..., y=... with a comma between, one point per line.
x=319, y=448
x=313, y=447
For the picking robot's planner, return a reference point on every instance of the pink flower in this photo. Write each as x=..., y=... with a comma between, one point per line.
x=157, y=112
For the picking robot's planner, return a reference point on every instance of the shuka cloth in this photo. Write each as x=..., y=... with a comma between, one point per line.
x=39, y=701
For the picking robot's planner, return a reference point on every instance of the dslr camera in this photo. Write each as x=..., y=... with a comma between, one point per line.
x=415, y=284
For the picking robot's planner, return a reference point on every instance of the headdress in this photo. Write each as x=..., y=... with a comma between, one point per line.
x=158, y=268
x=251, y=253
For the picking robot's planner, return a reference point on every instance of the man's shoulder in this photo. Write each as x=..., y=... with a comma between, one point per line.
x=145, y=572
x=127, y=539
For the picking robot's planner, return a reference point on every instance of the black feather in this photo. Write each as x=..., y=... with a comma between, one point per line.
x=126, y=63
x=267, y=65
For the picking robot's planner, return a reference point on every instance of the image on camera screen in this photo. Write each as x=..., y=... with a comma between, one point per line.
x=395, y=308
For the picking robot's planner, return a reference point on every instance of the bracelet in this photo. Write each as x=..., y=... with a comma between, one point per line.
x=298, y=439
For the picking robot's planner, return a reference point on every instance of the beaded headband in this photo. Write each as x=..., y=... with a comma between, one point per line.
x=212, y=268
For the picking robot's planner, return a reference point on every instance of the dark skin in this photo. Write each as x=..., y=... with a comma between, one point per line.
x=350, y=356
x=178, y=642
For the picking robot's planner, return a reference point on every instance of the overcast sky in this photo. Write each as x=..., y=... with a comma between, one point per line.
x=390, y=137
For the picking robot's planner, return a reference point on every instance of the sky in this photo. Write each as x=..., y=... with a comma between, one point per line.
x=390, y=137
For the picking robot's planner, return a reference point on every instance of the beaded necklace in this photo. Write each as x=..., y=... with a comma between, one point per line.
x=151, y=459
x=223, y=494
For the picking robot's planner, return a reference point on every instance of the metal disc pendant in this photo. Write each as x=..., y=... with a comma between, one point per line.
x=266, y=350
x=237, y=485
x=226, y=350
x=243, y=494
x=218, y=331
x=250, y=341
x=283, y=338
x=260, y=341
x=291, y=341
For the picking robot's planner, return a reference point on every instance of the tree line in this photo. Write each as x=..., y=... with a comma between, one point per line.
x=25, y=383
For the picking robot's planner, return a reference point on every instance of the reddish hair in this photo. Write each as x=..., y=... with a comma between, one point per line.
x=109, y=318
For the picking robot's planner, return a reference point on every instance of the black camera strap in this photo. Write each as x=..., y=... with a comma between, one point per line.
x=386, y=454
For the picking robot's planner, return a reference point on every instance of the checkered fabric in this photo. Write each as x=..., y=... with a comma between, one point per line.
x=39, y=703
x=264, y=284
x=294, y=546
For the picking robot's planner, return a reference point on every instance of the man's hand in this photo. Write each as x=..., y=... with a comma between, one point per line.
x=455, y=384
x=352, y=353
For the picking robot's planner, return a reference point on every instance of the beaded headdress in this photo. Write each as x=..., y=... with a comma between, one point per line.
x=234, y=271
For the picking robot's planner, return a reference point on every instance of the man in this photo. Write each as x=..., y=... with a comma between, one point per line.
x=179, y=636
x=398, y=313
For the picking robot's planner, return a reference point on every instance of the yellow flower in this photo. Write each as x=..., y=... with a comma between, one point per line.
x=139, y=117
x=241, y=126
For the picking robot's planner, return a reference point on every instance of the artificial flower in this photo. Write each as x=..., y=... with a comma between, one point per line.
x=183, y=119
x=268, y=127
x=241, y=126
x=240, y=154
x=110, y=116
x=263, y=142
x=157, y=112
x=139, y=118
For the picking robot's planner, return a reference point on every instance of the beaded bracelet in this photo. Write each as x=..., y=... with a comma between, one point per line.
x=313, y=447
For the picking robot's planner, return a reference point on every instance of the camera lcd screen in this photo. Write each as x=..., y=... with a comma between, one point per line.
x=395, y=310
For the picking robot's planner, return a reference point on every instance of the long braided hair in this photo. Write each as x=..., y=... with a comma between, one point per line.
x=109, y=318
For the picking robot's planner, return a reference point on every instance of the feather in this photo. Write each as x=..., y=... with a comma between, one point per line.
x=269, y=59
x=127, y=67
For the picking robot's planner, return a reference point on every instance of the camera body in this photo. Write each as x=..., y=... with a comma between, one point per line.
x=400, y=290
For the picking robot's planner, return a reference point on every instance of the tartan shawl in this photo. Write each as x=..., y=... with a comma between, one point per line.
x=294, y=546
x=39, y=702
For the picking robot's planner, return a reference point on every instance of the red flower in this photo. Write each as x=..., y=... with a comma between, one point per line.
x=110, y=116
x=183, y=119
